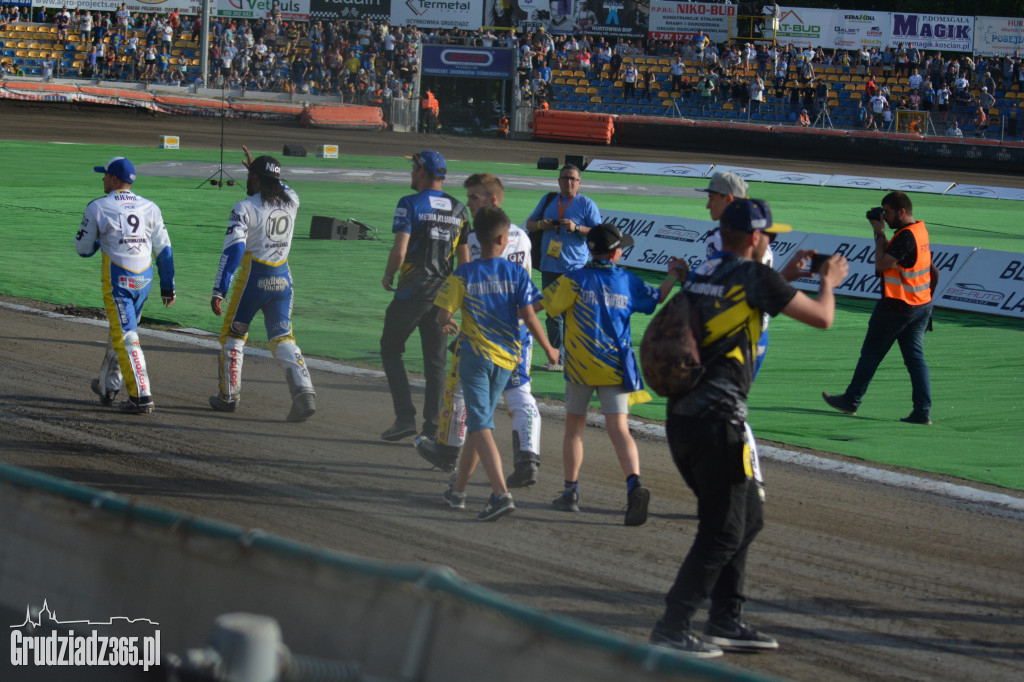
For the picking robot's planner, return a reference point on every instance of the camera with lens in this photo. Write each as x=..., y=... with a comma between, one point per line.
x=874, y=213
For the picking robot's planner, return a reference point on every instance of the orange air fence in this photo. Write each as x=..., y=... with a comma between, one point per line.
x=573, y=126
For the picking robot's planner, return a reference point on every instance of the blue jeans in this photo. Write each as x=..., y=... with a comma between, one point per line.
x=554, y=325
x=895, y=321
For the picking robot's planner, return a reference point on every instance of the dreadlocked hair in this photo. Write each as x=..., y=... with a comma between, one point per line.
x=272, y=192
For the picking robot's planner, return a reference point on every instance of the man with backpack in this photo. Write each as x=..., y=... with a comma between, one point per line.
x=729, y=292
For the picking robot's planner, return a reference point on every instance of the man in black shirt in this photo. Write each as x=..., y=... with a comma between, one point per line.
x=429, y=227
x=729, y=291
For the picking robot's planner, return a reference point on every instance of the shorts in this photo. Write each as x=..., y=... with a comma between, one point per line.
x=614, y=399
x=482, y=385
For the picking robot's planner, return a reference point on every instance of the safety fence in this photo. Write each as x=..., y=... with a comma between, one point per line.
x=90, y=554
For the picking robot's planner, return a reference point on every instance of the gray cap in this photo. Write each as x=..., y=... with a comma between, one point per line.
x=727, y=183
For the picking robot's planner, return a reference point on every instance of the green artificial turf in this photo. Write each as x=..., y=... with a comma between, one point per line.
x=339, y=304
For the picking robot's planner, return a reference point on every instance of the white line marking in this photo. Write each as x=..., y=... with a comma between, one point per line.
x=997, y=504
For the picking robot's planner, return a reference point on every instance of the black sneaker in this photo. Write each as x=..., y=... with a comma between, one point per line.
x=453, y=499
x=399, y=431
x=525, y=475
x=444, y=457
x=135, y=406
x=496, y=507
x=738, y=636
x=223, y=403
x=912, y=418
x=303, y=407
x=685, y=642
x=568, y=501
x=106, y=397
x=636, y=506
x=839, y=402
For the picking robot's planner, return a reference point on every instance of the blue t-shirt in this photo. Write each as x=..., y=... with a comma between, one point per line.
x=435, y=223
x=490, y=293
x=562, y=251
x=599, y=299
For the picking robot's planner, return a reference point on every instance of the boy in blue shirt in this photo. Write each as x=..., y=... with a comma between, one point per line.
x=598, y=300
x=493, y=294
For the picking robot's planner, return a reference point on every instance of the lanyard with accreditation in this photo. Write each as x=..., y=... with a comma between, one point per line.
x=555, y=246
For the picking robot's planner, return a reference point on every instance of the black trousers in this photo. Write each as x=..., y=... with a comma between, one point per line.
x=400, y=320
x=709, y=453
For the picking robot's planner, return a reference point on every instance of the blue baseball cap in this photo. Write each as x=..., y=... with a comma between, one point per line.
x=432, y=162
x=120, y=167
x=748, y=215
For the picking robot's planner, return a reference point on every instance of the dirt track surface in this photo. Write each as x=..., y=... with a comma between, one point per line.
x=858, y=581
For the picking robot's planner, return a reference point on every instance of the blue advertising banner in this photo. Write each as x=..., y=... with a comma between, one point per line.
x=468, y=62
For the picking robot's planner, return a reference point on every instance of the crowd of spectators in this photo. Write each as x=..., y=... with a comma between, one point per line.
x=788, y=76
x=364, y=62
x=361, y=62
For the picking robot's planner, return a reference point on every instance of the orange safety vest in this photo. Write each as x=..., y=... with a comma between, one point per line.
x=913, y=286
x=503, y=125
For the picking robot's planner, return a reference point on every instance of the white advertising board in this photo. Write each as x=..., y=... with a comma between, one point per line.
x=852, y=30
x=951, y=32
x=862, y=282
x=998, y=35
x=678, y=170
x=803, y=26
x=989, y=282
x=656, y=238
x=450, y=14
x=784, y=177
x=889, y=184
x=683, y=20
x=986, y=192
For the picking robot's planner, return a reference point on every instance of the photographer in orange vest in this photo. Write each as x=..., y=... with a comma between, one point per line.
x=904, y=263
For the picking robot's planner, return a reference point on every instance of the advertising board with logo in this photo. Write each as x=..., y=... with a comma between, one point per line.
x=803, y=26
x=933, y=31
x=853, y=30
x=676, y=170
x=998, y=35
x=782, y=177
x=862, y=282
x=291, y=10
x=450, y=14
x=468, y=62
x=158, y=6
x=987, y=192
x=352, y=10
x=657, y=238
x=889, y=184
x=990, y=282
x=684, y=20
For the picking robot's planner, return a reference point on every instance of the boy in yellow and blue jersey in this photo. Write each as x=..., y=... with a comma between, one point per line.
x=598, y=300
x=493, y=294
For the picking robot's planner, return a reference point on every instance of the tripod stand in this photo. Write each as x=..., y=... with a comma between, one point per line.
x=823, y=119
x=218, y=175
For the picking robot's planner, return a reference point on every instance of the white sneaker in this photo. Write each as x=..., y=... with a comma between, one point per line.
x=553, y=367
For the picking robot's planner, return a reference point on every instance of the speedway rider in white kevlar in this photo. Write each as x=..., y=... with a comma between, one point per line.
x=258, y=240
x=130, y=231
x=485, y=189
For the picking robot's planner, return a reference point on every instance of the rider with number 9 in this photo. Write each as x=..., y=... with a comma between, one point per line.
x=130, y=231
x=258, y=240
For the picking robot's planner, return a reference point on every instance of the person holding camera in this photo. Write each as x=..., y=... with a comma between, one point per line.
x=904, y=312
x=562, y=220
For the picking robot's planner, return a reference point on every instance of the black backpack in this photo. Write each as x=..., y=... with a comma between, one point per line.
x=670, y=349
